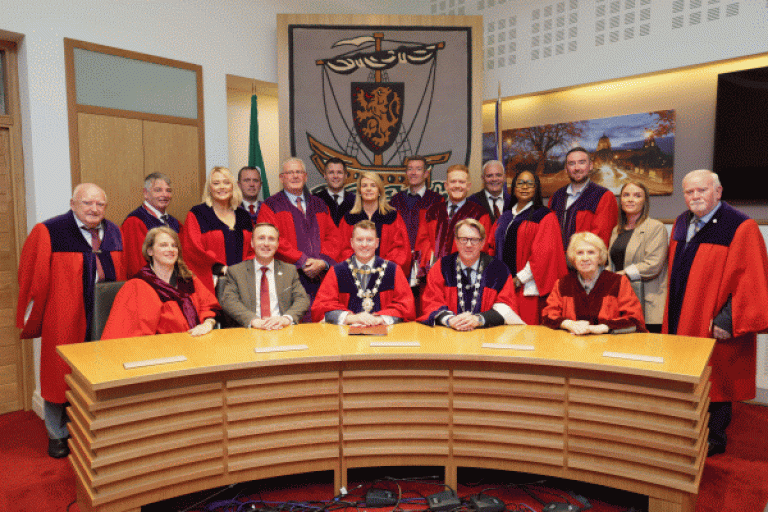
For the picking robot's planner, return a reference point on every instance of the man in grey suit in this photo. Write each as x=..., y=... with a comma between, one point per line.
x=264, y=293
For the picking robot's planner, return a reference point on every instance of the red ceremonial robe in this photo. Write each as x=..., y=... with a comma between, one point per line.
x=726, y=258
x=535, y=238
x=312, y=235
x=612, y=302
x=134, y=230
x=339, y=293
x=206, y=241
x=138, y=311
x=57, y=271
x=412, y=208
x=596, y=210
x=436, y=239
x=441, y=293
x=390, y=229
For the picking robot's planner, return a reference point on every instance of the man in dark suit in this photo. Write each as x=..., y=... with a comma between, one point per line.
x=494, y=196
x=264, y=293
x=249, y=181
x=338, y=200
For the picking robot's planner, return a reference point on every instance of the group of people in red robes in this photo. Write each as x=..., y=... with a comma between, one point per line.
x=586, y=264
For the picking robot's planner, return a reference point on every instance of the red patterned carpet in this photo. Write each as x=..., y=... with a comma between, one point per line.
x=736, y=481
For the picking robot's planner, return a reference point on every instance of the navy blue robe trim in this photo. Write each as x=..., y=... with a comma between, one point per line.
x=720, y=230
x=66, y=236
x=151, y=221
x=347, y=284
x=233, y=238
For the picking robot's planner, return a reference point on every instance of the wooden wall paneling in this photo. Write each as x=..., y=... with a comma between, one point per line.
x=173, y=149
x=111, y=155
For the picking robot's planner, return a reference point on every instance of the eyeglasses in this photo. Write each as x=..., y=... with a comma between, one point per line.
x=468, y=240
x=525, y=184
x=293, y=173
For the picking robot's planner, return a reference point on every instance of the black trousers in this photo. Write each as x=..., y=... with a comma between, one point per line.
x=719, y=419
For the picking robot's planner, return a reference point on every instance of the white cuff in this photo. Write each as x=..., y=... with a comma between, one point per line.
x=510, y=317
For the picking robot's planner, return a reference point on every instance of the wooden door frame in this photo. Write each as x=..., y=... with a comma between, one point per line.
x=9, y=42
x=74, y=108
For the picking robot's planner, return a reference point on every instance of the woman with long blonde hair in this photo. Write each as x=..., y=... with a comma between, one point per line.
x=217, y=233
x=371, y=204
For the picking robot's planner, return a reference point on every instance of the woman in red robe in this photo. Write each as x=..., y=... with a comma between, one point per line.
x=371, y=204
x=528, y=240
x=164, y=297
x=217, y=234
x=592, y=300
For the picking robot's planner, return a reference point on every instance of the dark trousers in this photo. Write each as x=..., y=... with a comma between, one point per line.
x=719, y=419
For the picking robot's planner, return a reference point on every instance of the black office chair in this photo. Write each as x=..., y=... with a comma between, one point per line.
x=103, y=297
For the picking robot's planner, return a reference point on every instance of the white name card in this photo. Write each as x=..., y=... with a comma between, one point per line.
x=280, y=348
x=634, y=357
x=154, y=362
x=395, y=344
x=507, y=346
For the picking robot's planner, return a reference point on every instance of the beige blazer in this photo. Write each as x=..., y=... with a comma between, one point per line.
x=238, y=295
x=645, y=263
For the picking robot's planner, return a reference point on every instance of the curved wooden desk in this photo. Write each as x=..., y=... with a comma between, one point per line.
x=228, y=414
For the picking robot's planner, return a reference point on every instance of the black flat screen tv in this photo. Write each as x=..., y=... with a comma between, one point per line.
x=741, y=134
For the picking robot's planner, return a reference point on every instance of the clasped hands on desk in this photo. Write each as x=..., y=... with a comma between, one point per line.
x=229, y=414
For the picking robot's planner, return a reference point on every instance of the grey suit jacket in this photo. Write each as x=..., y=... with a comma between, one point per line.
x=238, y=295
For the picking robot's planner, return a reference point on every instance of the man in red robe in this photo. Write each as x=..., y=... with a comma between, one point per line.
x=365, y=289
x=151, y=214
x=584, y=205
x=436, y=229
x=61, y=261
x=469, y=289
x=308, y=237
x=718, y=288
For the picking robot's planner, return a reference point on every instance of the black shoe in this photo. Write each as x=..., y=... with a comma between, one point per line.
x=58, y=448
x=714, y=449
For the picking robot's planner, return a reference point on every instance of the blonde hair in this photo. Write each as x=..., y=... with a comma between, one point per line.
x=149, y=241
x=384, y=206
x=237, y=195
x=471, y=223
x=587, y=238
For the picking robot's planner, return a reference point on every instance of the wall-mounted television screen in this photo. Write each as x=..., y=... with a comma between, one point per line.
x=741, y=134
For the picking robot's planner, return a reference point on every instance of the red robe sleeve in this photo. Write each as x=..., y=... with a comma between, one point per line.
x=745, y=280
x=554, y=312
x=286, y=250
x=606, y=217
x=436, y=295
x=134, y=232
x=328, y=297
x=398, y=302
x=425, y=239
x=34, y=282
x=547, y=256
x=135, y=312
x=345, y=233
x=395, y=245
x=199, y=259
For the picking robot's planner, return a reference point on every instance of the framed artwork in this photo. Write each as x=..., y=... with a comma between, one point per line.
x=629, y=147
x=376, y=92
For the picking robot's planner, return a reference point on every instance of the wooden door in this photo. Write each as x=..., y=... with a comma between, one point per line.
x=16, y=368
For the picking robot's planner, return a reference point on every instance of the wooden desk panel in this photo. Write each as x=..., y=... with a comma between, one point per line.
x=228, y=414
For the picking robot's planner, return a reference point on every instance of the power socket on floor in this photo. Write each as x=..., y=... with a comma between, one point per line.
x=446, y=500
x=376, y=498
x=485, y=503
